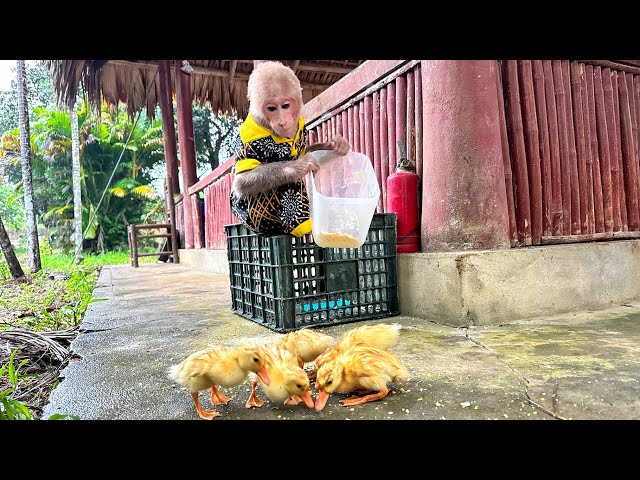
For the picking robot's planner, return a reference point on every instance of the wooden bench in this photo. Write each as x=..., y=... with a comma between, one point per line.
x=170, y=246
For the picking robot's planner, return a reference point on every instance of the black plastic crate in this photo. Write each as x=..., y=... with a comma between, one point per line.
x=286, y=283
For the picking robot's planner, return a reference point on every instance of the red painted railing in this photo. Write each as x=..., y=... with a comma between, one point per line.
x=374, y=118
x=351, y=108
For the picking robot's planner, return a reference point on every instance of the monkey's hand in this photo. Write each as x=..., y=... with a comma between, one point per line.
x=272, y=175
x=339, y=145
x=297, y=169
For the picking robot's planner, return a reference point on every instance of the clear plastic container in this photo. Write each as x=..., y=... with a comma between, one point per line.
x=344, y=194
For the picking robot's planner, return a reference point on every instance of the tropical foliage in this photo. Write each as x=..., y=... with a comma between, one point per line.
x=117, y=182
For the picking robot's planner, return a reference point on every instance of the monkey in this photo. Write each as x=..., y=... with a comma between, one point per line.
x=268, y=194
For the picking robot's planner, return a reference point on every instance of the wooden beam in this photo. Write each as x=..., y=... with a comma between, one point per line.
x=216, y=72
x=187, y=147
x=212, y=176
x=232, y=69
x=324, y=69
x=168, y=126
x=590, y=237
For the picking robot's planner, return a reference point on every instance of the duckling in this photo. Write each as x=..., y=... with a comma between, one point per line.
x=222, y=366
x=288, y=381
x=359, y=369
x=306, y=344
x=382, y=336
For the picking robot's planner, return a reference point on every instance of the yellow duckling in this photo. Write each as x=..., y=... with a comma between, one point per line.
x=381, y=335
x=222, y=366
x=306, y=344
x=359, y=369
x=288, y=382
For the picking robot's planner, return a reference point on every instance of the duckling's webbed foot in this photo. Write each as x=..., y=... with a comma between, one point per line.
x=253, y=400
x=351, y=401
x=202, y=412
x=218, y=398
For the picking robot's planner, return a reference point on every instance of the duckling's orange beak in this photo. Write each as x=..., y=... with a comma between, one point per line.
x=321, y=400
x=308, y=401
x=262, y=373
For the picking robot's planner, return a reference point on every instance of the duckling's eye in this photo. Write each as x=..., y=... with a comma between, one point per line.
x=255, y=359
x=329, y=382
x=299, y=385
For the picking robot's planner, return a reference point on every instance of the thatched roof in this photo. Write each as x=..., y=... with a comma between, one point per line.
x=222, y=83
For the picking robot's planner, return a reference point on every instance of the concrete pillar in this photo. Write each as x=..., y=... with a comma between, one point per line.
x=168, y=126
x=187, y=147
x=464, y=204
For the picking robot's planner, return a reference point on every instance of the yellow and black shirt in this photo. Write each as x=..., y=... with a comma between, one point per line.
x=283, y=210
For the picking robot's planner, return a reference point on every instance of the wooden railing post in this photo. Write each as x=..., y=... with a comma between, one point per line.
x=134, y=245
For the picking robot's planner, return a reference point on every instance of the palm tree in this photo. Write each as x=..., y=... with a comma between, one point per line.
x=33, y=247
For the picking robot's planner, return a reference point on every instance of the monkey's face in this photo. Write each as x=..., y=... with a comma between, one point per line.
x=282, y=113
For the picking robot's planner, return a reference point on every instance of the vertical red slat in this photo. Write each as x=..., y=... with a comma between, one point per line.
x=578, y=120
x=350, y=128
x=634, y=120
x=506, y=159
x=621, y=182
x=598, y=203
x=545, y=155
x=209, y=213
x=363, y=146
x=376, y=150
x=628, y=151
x=356, y=127
x=312, y=138
x=588, y=157
x=557, y=212
x=613, y=148
x=384, y=143
x=401, y=113
x=411, y=116
x=324, y=132
x=571, y=140
x=603, y=149
x=532, y=146
x=418, y=122
x=196, y=217
x=344, y=123
x=634, y=94
x=565, y=161
x=391, y=131
x=517, y=152
x=368, y=136
x=339, y=124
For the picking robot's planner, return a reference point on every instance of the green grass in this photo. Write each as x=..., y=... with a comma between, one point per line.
x=62, y=261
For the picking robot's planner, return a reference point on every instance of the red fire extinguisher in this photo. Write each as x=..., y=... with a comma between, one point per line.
x=402, y=198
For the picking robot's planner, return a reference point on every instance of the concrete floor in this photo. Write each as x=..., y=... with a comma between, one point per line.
x=573, y=366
